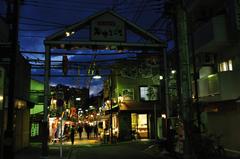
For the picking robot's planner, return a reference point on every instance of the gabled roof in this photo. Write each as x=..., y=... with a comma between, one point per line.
x=56, y=37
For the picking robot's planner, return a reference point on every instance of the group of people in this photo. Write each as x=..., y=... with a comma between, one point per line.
x=79, y=129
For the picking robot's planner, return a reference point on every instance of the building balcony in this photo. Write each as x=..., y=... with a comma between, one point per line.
x=219, y=87
x=211, y=36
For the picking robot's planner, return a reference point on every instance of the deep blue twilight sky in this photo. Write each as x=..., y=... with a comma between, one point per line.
x=41, y=18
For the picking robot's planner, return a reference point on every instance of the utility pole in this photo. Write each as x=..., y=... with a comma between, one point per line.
x=12, y=17
x=45, y=126
x=184, y=77
x=178, y=14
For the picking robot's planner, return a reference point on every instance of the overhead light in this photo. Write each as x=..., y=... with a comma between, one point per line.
x=160, y=77
x=97, y=75
x=67, y=34
x=78, y=99
x=164, y=116
x=173, y=71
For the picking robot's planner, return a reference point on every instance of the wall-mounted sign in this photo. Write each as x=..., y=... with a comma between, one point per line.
x=109, y=28
x=128, y=94
x=149, y=93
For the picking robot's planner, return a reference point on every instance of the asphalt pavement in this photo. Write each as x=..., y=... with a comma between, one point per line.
x=93, y=148
x=96, y=149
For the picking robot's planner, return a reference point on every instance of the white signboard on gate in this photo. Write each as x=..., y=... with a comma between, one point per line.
x=108, y=28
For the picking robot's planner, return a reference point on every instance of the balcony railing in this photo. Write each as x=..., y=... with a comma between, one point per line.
x=219, y=87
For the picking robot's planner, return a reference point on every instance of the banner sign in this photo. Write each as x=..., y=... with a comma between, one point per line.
x=107, y=28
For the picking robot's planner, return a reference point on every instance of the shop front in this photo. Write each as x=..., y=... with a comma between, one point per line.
x=139, y=125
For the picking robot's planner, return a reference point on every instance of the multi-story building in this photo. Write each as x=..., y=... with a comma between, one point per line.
x=22, y=105
x=72, y=98
x=216, y=32
x=36, y=113
x=134, y=98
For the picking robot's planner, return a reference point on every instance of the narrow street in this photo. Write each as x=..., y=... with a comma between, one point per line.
x=116, y=151
x=95, y=149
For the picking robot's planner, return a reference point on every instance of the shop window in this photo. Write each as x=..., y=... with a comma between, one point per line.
x=140, y=125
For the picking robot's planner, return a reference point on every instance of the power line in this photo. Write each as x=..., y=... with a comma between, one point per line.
x=31, y=36
x=70, y=9
x=49, y=29
x=42, y=25
x=43, y=21
x=71, y=1
x=65, y=4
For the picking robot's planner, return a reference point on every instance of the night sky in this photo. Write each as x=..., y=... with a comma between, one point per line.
x=41, y=18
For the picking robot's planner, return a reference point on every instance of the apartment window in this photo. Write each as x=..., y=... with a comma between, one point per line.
x=225, y=66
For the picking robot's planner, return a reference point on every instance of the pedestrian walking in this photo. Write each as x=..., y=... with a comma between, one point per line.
x=95, y=130
x=80, y=130
x=72, y=134
x=88, y=130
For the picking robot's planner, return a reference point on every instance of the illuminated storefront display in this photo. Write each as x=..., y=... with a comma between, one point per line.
x=140, y=125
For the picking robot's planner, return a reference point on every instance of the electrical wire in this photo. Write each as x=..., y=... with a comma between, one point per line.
x=60, y=8
x=65, y=4
x=72, y=2
x=40, y=20
x=42, y=25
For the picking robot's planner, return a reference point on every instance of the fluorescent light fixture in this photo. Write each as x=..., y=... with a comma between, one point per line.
x=78, y=99
x=97, y=77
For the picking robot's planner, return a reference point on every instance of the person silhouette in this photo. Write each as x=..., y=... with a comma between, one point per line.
x=95, y=130
x=72, y=134
x=80, y=130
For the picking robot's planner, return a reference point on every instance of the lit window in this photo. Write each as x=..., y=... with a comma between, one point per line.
x=230, y=65
x=226, y=66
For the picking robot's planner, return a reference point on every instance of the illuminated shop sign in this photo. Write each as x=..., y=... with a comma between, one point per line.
x=149, y=93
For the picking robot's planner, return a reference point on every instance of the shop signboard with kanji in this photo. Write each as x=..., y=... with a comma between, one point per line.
x=108, y=27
